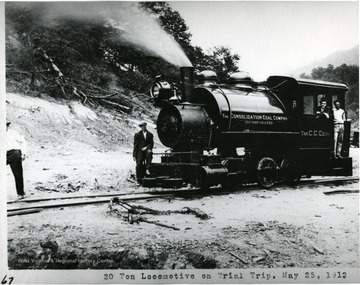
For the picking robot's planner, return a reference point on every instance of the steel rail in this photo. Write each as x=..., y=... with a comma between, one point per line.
x=31, y=200
x=182, y=190
x=166, y=194
x=88, y=202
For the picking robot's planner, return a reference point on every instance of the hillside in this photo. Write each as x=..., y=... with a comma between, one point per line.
x=48, y=122
x=349, y=57
x=70, y=144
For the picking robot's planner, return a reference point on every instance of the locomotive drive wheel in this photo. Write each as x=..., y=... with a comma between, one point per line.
x=290, y=171
x=266, y=172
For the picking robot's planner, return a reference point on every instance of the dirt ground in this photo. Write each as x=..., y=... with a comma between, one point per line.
x=74, y=150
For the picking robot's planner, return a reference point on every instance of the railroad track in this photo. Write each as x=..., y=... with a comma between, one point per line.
x=37, y=204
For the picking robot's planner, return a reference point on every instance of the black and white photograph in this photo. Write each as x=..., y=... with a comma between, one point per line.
x=179, y=142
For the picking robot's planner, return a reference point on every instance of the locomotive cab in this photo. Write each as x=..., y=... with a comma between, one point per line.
x=304, y=98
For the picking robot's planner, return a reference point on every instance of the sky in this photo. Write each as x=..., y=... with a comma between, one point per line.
x=273, y=37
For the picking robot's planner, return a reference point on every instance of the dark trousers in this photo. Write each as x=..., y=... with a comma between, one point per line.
x=143, y=162
x=13, y=157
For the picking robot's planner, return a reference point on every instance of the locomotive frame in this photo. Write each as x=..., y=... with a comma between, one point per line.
x=273, y=123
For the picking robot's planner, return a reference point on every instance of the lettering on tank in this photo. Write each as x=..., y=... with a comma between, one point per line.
x=257, y=119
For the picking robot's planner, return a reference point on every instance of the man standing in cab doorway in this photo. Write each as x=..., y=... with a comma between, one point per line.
x=323, y=109
x=143, y=145
x=15, y=154
x=339, y=118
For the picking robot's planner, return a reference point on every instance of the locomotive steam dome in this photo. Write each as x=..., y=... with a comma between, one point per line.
x=207, y=75
x=241, y=77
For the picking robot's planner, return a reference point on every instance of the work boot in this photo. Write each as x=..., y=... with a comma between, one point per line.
x=21, y=197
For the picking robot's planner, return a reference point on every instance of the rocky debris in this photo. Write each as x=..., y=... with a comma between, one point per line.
x=63, y=187
x=61, y=176
x=131, y=176
x=47, y=254
x=177, y=262
x=260, y=196
x=336, y=206
x=201, y=261
x=258, y=259
x=237, y=257
x=317, y=249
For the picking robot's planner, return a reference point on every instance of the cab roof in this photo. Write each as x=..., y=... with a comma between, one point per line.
x=272, y=81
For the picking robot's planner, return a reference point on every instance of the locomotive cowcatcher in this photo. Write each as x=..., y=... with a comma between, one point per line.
x=242, y=131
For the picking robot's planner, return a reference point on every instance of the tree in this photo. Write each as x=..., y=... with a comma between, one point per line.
x=70, y=44
x=102, y=50
x=219, y=59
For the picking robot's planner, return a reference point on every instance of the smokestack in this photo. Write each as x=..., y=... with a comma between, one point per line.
x=187, y=82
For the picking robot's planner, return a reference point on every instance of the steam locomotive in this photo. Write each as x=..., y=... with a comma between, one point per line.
x=242, y=131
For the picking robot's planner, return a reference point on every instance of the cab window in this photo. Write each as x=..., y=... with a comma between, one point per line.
x=319, y=97
x=334, y=98
x=309, y=105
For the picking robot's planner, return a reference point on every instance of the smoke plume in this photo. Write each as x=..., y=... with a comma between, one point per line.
x=135, y=26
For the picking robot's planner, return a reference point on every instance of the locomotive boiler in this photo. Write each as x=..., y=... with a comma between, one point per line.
x=243, y=131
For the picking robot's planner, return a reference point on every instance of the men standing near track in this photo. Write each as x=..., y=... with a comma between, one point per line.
x=15, y=154
x=339, y=118
x=143, y=145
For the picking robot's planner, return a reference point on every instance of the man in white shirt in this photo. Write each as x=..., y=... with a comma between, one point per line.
x=15, y=154
x=339, y=118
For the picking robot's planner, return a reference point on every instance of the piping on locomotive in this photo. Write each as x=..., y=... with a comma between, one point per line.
x=273, y=123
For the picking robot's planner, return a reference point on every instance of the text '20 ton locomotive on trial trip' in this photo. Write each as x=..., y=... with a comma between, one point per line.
x=242, y=131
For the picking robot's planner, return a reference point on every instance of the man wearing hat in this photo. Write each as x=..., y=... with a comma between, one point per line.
x=15, y=154
x=339, y=118
x=143, y=145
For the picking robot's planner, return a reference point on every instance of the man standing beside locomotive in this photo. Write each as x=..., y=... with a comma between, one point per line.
x=15, y=154
x=339, y=118
x=143, y=145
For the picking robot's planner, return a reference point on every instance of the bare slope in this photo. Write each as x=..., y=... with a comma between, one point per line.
x=72, y=147
x=63, y=124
